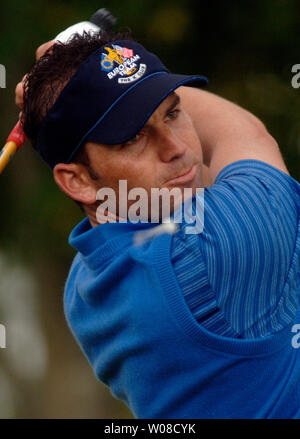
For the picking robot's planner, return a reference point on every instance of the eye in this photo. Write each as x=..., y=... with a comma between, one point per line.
x=173, y=114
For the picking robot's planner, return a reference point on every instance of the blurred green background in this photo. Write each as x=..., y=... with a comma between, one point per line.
x=246, y=49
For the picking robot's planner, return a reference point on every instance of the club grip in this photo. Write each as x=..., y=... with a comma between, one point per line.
x=14, y=141
x=17, y=135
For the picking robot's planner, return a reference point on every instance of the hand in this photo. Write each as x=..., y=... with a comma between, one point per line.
x=19, y=92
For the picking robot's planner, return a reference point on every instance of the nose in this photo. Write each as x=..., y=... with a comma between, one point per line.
x=170, y=146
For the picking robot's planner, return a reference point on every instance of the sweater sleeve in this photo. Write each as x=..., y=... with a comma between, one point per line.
x=240, y=276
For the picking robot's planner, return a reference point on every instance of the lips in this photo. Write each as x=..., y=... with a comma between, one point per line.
x=185, y=177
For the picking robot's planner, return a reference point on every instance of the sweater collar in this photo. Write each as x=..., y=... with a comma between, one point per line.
x=104, y=240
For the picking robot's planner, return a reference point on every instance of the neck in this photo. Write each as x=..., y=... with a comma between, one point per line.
x=96, y=219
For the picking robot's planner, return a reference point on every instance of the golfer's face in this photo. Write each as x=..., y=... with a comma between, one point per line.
x=165, y=153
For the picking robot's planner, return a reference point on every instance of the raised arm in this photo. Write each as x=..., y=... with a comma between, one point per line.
x=228, y=132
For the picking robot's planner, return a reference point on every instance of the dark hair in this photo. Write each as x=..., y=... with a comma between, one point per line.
x=51, y=73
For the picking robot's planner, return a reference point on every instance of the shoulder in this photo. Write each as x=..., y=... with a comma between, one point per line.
x=255, y=185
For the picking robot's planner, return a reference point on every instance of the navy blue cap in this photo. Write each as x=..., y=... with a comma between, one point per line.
x=108, y=100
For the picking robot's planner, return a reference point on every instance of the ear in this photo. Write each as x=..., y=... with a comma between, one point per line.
x=74, y=180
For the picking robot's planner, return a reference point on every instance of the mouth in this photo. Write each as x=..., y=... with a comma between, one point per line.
x=185, y=177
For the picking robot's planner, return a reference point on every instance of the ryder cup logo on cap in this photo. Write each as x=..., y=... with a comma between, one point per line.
x=121, y=61
x=108, y=100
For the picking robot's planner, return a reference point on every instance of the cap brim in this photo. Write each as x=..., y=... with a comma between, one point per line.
x=130, y=113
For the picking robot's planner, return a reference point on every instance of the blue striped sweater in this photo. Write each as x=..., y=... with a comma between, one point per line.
x=197, y=326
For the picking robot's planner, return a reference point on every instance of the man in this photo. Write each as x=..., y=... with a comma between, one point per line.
x=179, y=325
